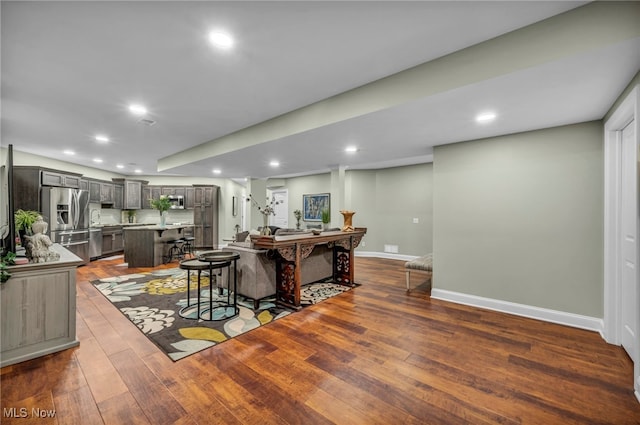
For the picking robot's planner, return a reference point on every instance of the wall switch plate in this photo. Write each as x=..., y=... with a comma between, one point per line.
x=416, y=220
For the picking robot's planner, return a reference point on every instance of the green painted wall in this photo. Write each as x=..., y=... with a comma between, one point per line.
x=520, y=218
x=385, y=202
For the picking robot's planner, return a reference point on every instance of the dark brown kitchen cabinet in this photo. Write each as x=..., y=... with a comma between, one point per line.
x=150, y=192
x=118, y=196
x=27, y=181
x=50, y=178
x=112, y=239
x=106, y=193
x=134, y=195
x=94, y=191
x=146, y=195
x=188, y=198
x=173, y=191
x=205, y=219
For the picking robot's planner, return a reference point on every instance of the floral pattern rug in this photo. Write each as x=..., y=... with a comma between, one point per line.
x=158, y=305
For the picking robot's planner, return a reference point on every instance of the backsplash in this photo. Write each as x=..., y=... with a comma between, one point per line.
x=115, y=216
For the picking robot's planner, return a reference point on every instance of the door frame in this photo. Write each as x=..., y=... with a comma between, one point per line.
x=272, y=193
x=626, y=112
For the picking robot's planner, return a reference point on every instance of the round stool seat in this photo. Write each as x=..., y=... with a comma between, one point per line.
x=194, y=265
x=188, y=238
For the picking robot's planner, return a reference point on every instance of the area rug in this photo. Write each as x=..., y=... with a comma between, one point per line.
x=152, y=301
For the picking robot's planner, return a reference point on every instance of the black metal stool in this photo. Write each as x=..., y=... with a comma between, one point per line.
x=187, y=247
x=175, y=251
x=189, y=266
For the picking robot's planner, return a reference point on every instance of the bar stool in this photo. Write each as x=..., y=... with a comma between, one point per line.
x=187, y=247
x=175, y=250
x=189, y=266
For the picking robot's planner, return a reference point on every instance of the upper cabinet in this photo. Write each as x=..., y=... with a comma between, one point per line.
x=51, y=178
x=133, y=193
x=102, y=192
x=154, y=192
x=94, y=191
x=118, y=196
x=106, y=193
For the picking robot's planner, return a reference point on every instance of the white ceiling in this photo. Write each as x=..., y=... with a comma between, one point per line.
x=69, y=70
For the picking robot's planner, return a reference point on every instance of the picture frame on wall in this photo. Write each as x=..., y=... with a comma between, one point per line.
x=234, y=206
x=313, y=205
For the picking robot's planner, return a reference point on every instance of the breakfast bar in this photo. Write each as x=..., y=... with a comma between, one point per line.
x=146, y=246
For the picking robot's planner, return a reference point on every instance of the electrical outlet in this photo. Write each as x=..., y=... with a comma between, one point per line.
x=363, y=244
x=416, y=220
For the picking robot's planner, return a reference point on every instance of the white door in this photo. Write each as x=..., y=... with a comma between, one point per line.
x=629, y=223
x=281, y=209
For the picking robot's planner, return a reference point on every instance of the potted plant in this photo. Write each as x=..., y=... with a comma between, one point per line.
x=161, y=204
x=298, y=215
x=24, y=219
x=326, y=217
x=5, y=262
x=131, y=214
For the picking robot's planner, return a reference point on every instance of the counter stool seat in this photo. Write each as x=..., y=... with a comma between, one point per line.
x=187, y=246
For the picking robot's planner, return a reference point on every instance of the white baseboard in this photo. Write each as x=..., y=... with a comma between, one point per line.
x=386, y=255
x=560, y=317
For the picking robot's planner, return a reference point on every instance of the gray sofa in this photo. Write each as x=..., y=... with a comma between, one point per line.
x=257, y=270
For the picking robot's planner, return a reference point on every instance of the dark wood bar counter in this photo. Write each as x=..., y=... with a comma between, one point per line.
x=145, y=246
x=292, y=249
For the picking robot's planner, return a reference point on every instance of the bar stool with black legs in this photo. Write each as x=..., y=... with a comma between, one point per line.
x=187, y=246
x=175, y=250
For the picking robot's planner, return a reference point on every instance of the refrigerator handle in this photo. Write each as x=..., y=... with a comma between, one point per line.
x=76, y=208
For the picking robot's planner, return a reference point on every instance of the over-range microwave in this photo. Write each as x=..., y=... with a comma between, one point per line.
x=177, y=202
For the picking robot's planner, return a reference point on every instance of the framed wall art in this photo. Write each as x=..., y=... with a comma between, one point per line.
x=314, y=204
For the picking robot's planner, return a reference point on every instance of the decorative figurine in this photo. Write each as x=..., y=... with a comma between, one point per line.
x=38, y=245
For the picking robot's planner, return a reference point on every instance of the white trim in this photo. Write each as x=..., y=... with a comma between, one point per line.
x=560, y=317
x=626, y=112
x=386, y=255
x=622, y=116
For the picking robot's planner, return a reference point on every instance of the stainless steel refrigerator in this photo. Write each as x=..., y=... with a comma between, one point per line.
x=67, y=211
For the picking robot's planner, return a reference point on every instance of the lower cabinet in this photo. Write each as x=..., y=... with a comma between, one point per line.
x=112, y=240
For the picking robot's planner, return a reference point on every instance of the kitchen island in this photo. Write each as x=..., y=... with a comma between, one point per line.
x=38, y=308
x=146, y=246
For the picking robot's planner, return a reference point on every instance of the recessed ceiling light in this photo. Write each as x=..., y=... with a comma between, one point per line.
x=138, y=171
x=221, y=39
x=119, y=166
x=351, y=149
x=486, y=117
x=274, y=163
x=137, y=109
x=69, y=152
x=98, y=160
x=102, y=138
x=216, y=171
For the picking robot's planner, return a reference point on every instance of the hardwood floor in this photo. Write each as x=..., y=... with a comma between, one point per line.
x=372, y=355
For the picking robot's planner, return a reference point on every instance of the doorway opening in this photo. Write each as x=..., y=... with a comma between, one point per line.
x=621, y=242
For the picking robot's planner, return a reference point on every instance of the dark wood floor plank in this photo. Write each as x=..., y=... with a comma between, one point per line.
x=375, y=354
